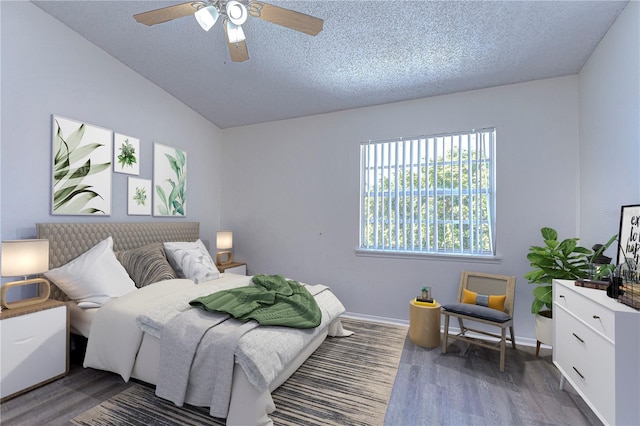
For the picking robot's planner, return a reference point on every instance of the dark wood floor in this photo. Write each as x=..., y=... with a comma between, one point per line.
x=465, y=387
x=462, y=387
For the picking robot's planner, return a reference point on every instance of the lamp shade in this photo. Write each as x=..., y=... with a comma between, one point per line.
x=224, y=240
x=24, y=257
x=236, y=12
x=207, y=17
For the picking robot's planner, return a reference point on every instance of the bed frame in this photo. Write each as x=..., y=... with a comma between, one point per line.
x=69, y=240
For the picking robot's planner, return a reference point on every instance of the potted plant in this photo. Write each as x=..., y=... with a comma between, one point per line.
x=556, y=260
x=564, y=260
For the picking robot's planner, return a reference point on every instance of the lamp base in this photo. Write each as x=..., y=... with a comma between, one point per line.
x=219, y=256
x=44, y=291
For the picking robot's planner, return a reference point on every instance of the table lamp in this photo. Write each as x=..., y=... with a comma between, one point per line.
x=24, y=258
x=224, y=244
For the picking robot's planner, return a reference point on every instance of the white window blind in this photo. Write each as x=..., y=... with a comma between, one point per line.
x=429, y=194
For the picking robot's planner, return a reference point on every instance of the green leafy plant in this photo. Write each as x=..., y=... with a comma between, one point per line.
x=174, y=203
x=127, y=156
x=604, y=271
x=71, y=195
x=557, y=260
x=141, y=196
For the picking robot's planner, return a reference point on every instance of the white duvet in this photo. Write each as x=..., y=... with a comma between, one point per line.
x=117, y=329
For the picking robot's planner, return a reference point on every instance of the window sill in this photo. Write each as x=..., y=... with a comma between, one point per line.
x=430, y=256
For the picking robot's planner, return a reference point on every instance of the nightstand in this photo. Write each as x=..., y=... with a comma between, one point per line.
x=35, y=346
x=234, y=268
x=424, y=325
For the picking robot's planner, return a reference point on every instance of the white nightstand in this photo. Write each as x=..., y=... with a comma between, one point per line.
x=35, y=346
x=234, y=268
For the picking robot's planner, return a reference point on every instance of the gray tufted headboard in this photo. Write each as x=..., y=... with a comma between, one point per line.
x=69, y=240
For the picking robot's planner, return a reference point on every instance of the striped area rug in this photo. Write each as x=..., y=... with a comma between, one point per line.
x=347, y=381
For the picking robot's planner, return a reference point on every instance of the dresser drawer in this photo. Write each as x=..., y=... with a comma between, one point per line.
x=34, y=349
x=242, y=270
x=590, y=312
x=587, y=359
x=18, y=330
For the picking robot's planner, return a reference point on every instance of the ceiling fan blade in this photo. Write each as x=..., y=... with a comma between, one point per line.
x=238, y=51
x=285, y=17
x=168, y=13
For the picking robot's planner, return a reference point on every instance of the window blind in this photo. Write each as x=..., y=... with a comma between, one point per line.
x=429, y=194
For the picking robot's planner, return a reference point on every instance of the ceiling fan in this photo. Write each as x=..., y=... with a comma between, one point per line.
x=234, y=13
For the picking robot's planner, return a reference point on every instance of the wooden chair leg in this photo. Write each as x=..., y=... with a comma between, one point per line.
x=461, y=325
x=503, y=348
x=513, y=338
x=537, y=347
x=446, y=333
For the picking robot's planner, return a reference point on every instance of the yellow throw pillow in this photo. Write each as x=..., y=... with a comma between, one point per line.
x=492, y=301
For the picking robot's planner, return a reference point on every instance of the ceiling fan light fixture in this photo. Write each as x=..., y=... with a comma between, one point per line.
x=236, y=12
x=207, y=17
x=235, y=34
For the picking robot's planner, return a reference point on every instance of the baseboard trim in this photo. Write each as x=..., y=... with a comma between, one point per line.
x=520, y=340
x=375, y=318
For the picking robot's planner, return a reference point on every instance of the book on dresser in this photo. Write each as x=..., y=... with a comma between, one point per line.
x=596, y=347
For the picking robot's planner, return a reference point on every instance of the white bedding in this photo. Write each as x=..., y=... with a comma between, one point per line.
x=80, y=319
x=115, y=337
x=263, y=353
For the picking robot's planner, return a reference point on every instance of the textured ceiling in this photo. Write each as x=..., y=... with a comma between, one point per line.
x=369, y=53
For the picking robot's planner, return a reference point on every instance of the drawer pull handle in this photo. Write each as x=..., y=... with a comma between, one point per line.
x=579, y=373
x=22, y=341
x=577, y=337
x=596, y=317
x=562, y=296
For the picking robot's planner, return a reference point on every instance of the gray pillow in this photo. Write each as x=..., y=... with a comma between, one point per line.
x=147, y=264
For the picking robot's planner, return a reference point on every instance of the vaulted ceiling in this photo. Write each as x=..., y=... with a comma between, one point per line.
x=369, y=53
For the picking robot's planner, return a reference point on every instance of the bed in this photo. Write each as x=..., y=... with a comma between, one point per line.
x=249, y=399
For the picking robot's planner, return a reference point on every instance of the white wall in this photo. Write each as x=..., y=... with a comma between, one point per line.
x=291, y=194
x=290, y=188
x=610, y=128
x=49, y=69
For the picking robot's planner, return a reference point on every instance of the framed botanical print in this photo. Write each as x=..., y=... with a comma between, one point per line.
x=81, y=168
x=139, y=196
x=126, y=154
x=169, y=181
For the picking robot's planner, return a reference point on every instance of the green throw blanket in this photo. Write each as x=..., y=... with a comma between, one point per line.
x=273, y=300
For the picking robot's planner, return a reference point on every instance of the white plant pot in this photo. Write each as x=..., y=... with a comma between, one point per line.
x=544, y=329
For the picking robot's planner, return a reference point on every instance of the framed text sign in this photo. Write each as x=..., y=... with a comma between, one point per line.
x=629, y=235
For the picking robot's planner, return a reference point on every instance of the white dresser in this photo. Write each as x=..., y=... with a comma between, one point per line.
x=596, y=347
x=34, y=347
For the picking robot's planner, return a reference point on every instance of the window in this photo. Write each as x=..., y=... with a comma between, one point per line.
x=429, y=194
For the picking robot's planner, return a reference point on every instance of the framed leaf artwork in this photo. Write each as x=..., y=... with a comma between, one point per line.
x=169, y=181
x=126, y=154
x=81, y=168
x=139, y=196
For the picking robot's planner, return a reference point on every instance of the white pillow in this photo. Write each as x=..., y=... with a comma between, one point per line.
x=94, y=277
x=192, y=261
